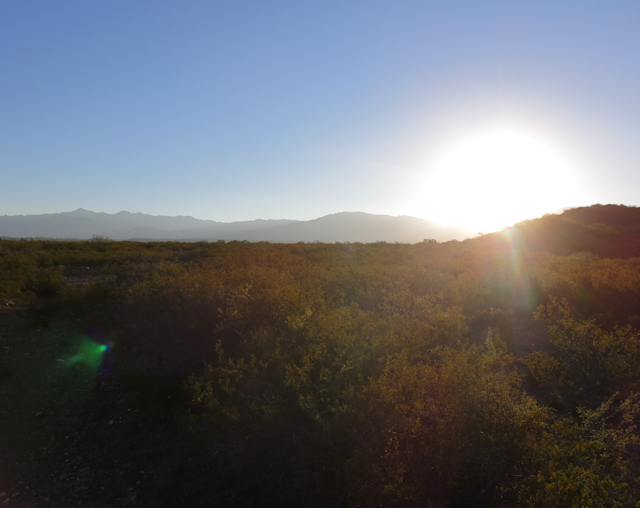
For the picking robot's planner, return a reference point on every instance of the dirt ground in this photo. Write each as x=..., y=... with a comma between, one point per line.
x=69, y=435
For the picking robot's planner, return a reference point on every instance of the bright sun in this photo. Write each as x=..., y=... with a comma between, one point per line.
x=494, y=180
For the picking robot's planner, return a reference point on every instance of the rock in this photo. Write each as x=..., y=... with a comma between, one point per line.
x=3, y=494
x=110, y=422
x=62, y=476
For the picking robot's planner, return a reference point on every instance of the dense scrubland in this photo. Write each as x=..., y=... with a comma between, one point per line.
x=498, y=371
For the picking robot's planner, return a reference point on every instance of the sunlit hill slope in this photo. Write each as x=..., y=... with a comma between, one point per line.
x=611, y=231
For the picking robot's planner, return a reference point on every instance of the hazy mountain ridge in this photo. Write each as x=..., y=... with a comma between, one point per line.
x=339, y=227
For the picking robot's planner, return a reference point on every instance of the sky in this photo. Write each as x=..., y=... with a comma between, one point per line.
x=244, y=110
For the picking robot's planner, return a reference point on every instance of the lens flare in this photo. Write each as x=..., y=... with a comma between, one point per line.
x=524, y=296
x=90, y=354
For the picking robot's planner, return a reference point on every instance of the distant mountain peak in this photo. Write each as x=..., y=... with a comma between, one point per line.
x=79, y=212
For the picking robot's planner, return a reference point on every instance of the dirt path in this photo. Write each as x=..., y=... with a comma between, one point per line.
x=68, y=437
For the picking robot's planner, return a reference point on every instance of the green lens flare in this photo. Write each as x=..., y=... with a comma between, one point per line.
x=90, y=354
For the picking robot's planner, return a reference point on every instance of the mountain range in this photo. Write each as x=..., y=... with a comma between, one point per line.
x=339, y=227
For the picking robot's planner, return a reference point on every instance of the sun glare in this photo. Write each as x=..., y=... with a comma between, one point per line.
x=494, y=180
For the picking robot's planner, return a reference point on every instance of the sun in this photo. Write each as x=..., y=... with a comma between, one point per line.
x=495, y=180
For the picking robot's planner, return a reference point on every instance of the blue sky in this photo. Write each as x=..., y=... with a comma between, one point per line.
x=244, y=110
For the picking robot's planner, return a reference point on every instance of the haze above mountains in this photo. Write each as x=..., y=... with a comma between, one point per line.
x=339, y=227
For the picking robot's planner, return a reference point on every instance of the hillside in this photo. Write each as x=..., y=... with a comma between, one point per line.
x=611, y=231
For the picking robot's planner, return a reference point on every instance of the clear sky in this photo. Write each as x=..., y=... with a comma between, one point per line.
x=243, y=110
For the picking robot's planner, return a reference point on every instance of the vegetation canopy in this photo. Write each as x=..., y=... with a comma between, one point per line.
x=498, y=371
